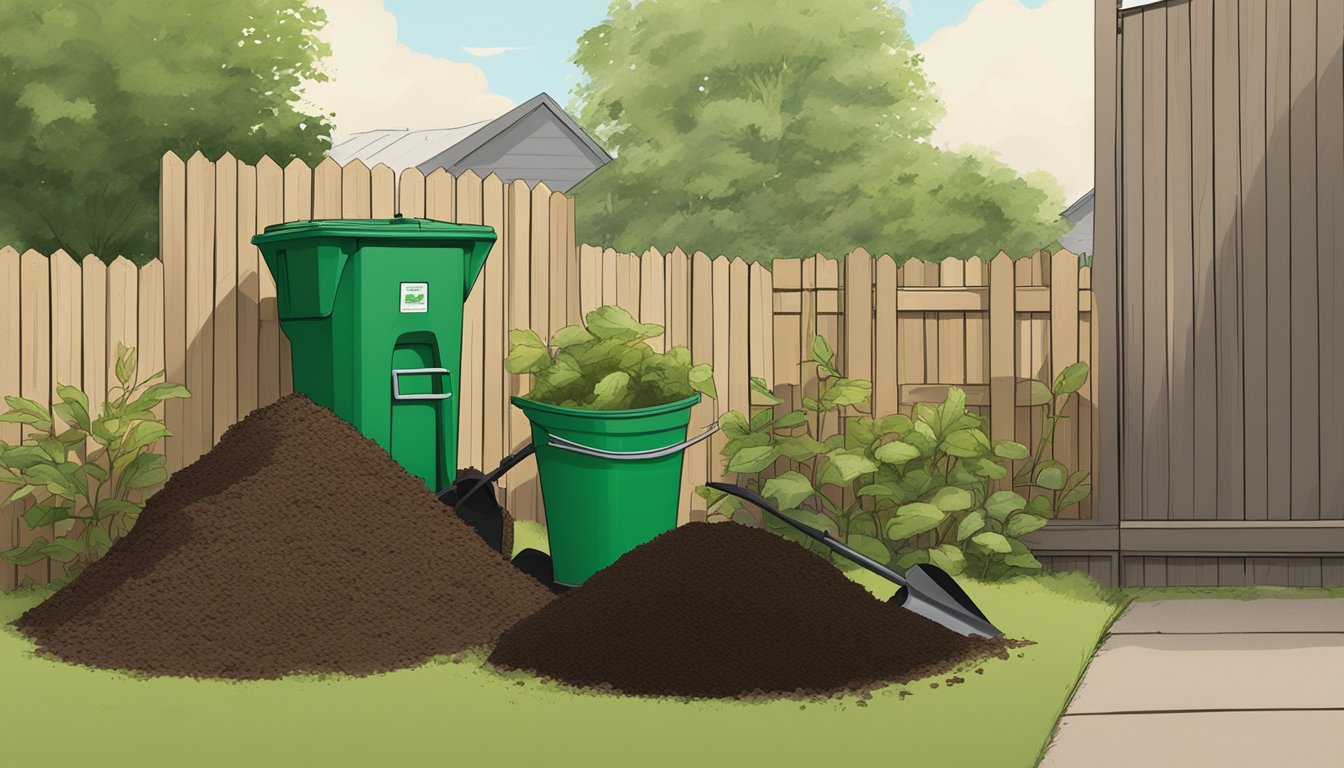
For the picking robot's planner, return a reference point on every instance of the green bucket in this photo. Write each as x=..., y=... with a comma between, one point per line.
x=610, y=480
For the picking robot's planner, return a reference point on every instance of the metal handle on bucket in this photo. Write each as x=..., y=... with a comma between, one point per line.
x=655, y=453
x=396, y=386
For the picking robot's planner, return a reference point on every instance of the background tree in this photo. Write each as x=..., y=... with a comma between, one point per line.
x=92, y=94
x=785, y=131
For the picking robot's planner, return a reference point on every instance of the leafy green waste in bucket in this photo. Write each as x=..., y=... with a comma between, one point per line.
x=611, y=480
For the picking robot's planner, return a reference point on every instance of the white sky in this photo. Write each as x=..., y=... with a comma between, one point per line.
x=1019, y=81
x=377, y=82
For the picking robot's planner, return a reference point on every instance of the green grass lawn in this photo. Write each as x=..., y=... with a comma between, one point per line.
x=465, y=714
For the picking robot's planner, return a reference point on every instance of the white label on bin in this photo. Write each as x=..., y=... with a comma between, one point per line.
x=415, y=297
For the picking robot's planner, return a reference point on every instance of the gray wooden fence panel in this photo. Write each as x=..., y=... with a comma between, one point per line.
x=1258, y=407
x=1277, y=257
x=1305, y=403
x=1131, y=269
x=1106, y=258
x=1201, y=184
x=1330, y=228
x=1156, y=442
x=1180, y=273
x=1227, y=263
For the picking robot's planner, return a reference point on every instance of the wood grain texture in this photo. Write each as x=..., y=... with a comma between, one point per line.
x=328, y=198
x=1064, y=352
x=886, y=337
x=93, y=275
x=523, y=496
x=1180, y=274
x=411, y=194
x=1156, y=410
x=1330, y=240
x=382, y=192
x=270, y=210
x=1278, y=255
x=198, y=431
x=1251, y=26
x=1106, y=256
x=494, y=292
x=470, y=376
x=173, y=254
x=1207, y=425
x=703, y=458
x=1002, y=349
x=249, y=292
x=34, y=376
x=149, y=334
x=225, y=315
x=1304, y=407
x=1131, y=262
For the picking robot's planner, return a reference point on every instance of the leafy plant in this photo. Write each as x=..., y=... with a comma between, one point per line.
x=1061, y=488
x=88, y=501
x=912, y=490
x=606, y=364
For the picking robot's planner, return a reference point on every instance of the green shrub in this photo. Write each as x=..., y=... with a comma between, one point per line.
x=606, y=364
x=89, y=502
x=917, y=490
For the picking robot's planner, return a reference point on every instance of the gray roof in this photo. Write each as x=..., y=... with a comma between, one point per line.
x=1078, y=239
x=399, y=148
x=436, y=148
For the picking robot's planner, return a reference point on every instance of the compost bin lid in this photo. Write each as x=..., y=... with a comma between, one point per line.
x=384, y=229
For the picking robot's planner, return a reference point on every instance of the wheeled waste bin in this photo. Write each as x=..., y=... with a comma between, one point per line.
x=372, y=309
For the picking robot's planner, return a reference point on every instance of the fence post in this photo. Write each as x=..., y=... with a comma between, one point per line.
x=1063, y=353
x=1002, y=348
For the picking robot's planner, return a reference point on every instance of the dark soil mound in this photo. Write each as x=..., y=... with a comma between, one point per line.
x=296, y=545
x=722, y=610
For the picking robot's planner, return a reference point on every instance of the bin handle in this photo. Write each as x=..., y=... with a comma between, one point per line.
x=654, y=453
x=396, y=385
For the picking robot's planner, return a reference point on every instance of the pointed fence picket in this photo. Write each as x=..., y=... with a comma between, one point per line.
x=205, y=312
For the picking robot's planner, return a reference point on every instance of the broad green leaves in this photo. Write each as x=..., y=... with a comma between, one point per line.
x=910, y=490
x=527, y=353
x=606, y=364
x=788, y=490
x=914, y=519
x=95, y=492
x=612, y=323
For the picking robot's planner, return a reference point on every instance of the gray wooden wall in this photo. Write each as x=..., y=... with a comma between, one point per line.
x=1219, y=208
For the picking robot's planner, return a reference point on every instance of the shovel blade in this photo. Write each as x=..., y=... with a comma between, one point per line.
x=932, y=593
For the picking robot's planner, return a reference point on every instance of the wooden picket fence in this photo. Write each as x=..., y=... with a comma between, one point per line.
x=205, y=312
x=913, y=330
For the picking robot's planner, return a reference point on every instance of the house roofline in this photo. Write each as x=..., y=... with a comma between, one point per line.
x=1079, y=204
x=488, y=132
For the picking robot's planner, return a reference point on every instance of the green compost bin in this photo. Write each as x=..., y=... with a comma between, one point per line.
x=610, y=480
x=372, y=309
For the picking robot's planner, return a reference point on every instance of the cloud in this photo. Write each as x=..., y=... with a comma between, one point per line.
x=376, y=82
x=1018, y=81
x=484, y=52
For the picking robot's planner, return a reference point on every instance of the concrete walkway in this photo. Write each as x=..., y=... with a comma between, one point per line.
x=1221, y=683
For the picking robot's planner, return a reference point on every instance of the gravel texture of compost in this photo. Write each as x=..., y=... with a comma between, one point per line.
x=722, y=610
x=296, y=545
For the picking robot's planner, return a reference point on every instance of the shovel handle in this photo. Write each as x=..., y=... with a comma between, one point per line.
x=504, y=466
x=823, y=536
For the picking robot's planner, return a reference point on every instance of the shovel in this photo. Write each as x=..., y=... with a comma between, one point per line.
x=925, y=589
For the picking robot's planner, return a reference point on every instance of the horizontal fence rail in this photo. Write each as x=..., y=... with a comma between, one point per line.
x=205, y=311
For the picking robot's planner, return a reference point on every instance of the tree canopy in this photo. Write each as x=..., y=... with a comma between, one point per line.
x=782, y=132
x=92, y=94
